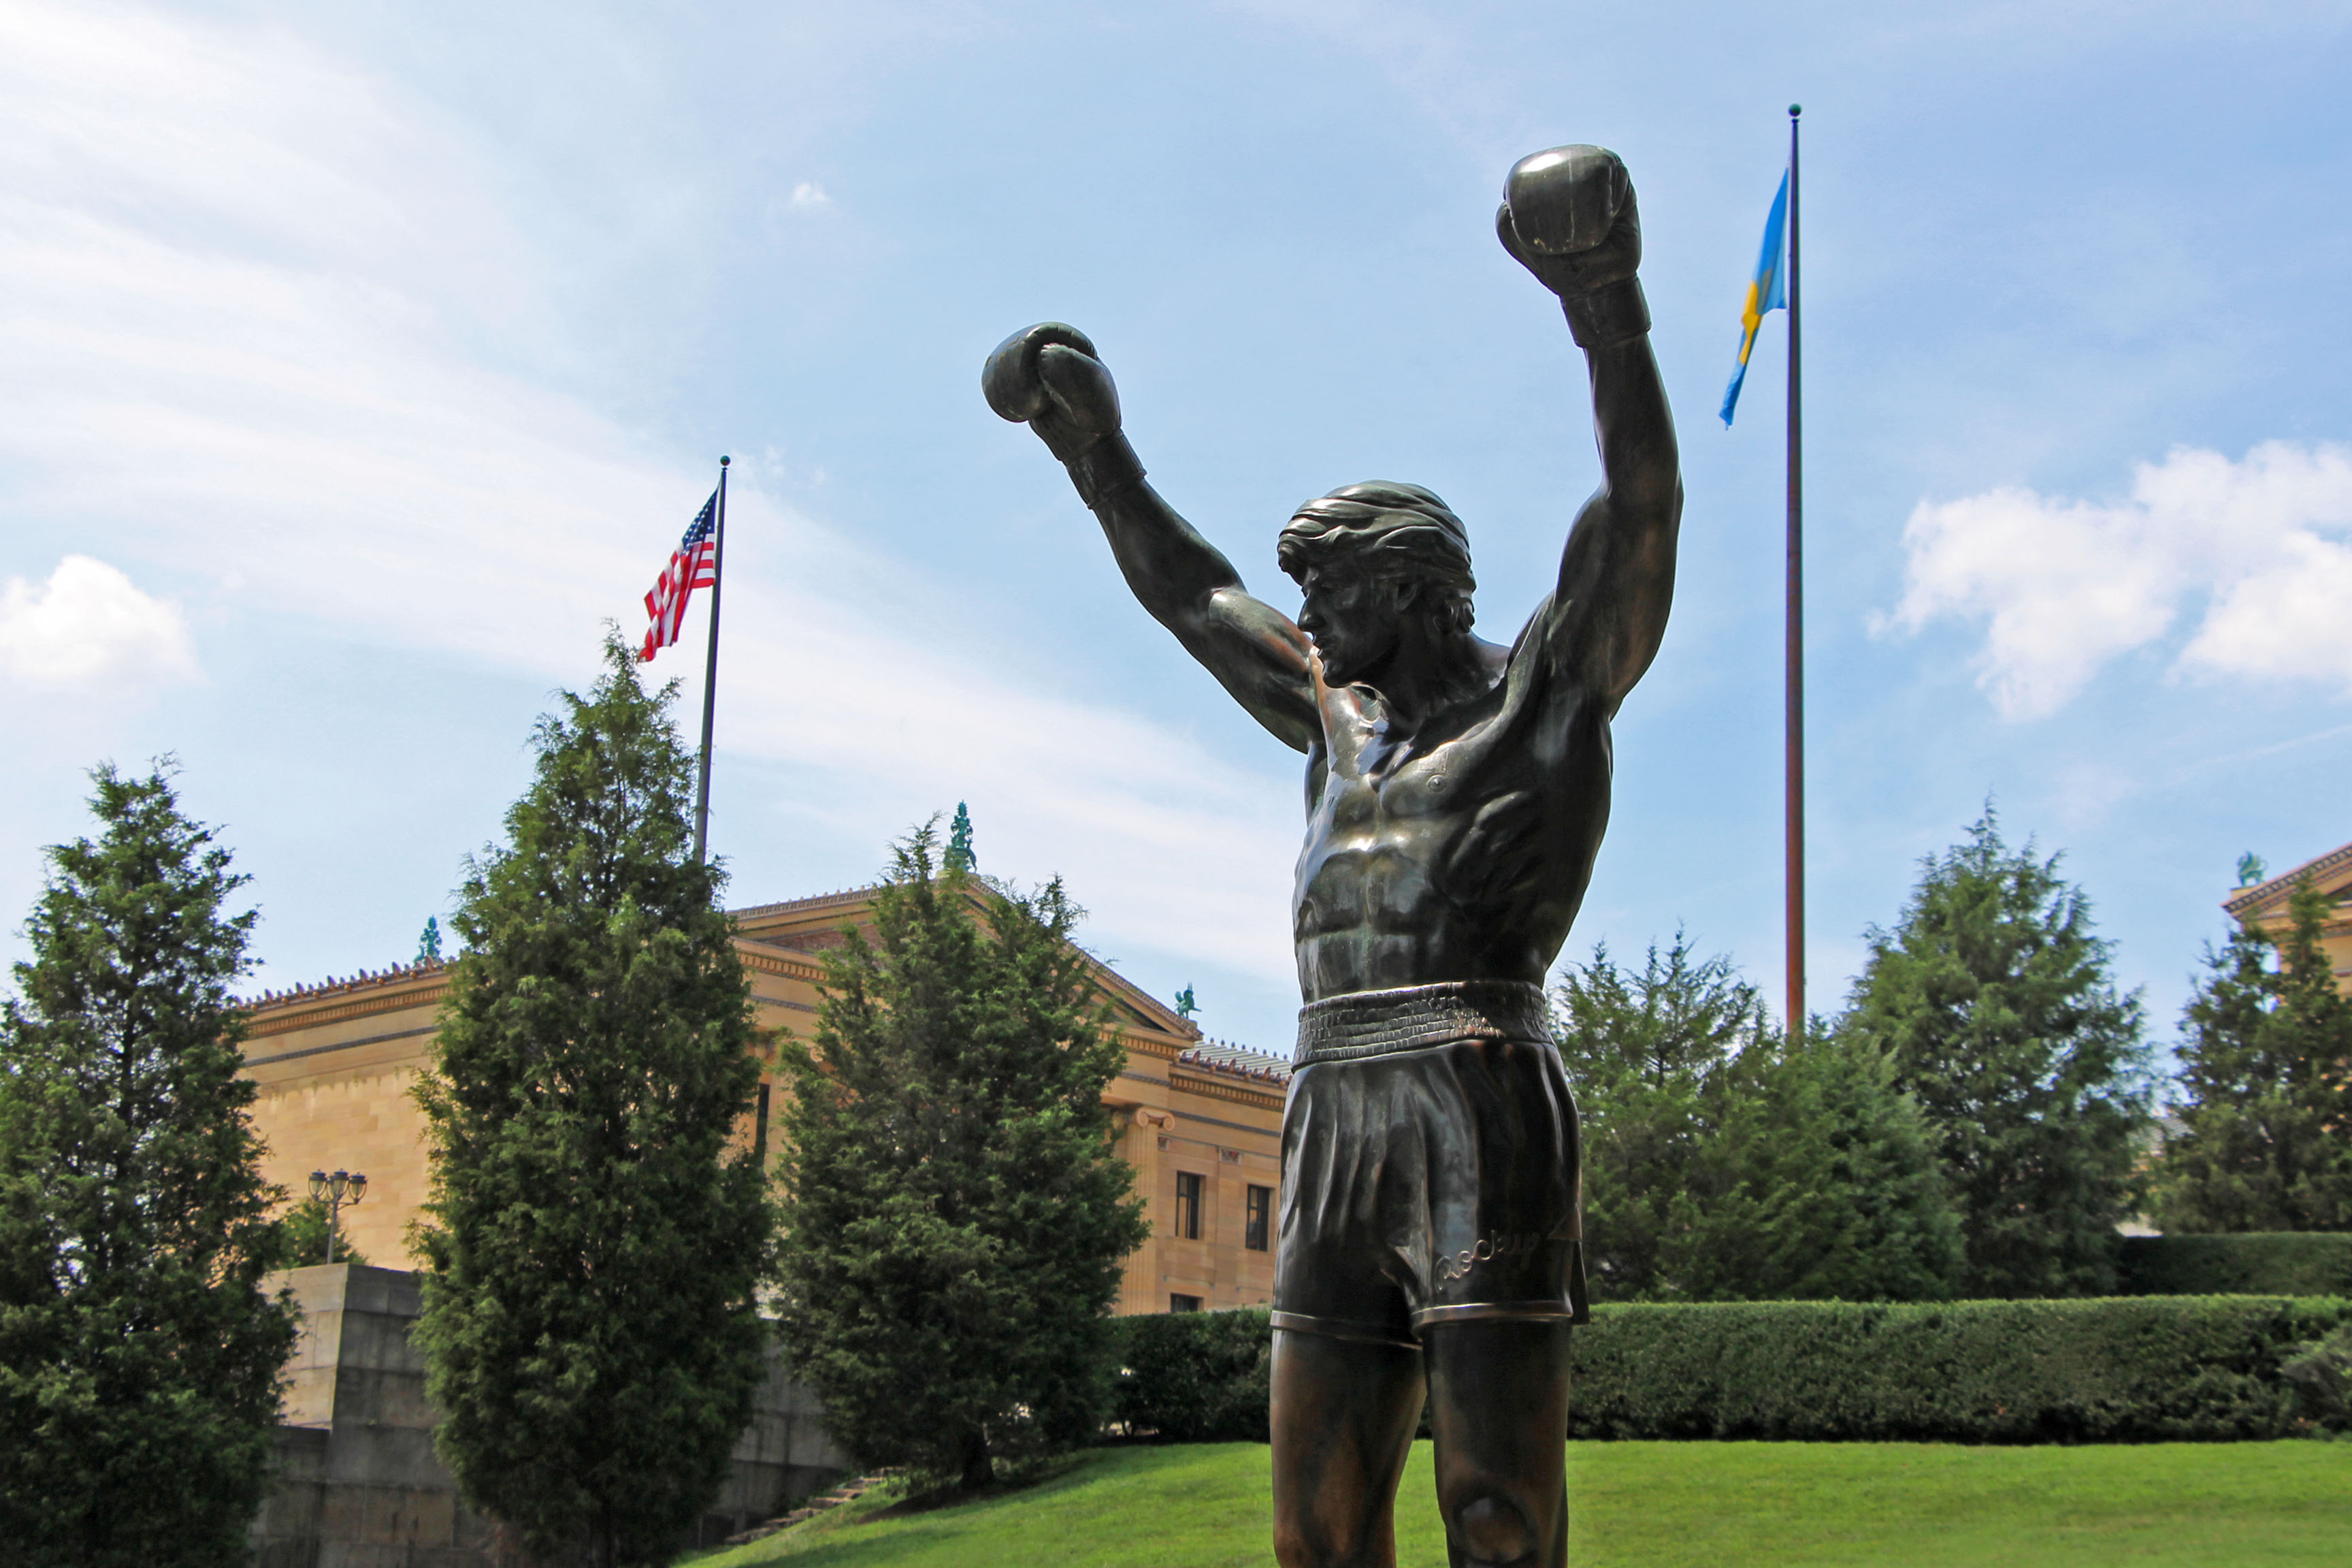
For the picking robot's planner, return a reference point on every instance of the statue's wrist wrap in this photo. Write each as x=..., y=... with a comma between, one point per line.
x=1105, y=468
x=1610, y=314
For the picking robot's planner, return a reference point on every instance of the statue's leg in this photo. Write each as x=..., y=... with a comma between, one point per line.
x=1498, y=1411
x=1344, y=1414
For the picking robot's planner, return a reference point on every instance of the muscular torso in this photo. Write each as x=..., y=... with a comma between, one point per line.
x=1460, y=851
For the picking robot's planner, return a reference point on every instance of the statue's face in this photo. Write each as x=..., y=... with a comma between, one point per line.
x=1355, y=619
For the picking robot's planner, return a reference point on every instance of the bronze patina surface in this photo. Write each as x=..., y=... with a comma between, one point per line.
x=1456, y=794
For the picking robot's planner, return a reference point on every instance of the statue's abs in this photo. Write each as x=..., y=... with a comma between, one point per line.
x=1464, y=860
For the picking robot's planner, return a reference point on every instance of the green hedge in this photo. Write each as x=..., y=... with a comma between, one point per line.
x=2272, y=1263
x=1193, y=1377
x=2189, y=1368
x=2127, y=1370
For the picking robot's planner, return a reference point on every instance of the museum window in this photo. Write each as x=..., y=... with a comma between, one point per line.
x=1183, y=1303
x=1188, y=1205
x=1260, y=1215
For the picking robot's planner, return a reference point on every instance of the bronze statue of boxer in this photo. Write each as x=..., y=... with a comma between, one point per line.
x=1456, y=794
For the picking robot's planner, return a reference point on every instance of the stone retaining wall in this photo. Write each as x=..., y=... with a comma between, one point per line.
x=358, y=1485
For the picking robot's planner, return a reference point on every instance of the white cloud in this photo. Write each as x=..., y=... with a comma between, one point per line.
x=808, y=193
x=2264, y=545
x=90, y=629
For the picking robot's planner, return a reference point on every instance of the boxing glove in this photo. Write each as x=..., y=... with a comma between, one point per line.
x=1570, y=218
x=1048, y=377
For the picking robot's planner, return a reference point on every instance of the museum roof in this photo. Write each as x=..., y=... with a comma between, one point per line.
x=1239, y=1061
x=1148, y=1010
x=812, y=901
x=361, y=980
x=366, y=979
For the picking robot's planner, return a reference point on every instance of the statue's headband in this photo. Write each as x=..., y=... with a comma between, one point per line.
x=1378, y=525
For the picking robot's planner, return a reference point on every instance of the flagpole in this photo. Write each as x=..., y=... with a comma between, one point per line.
x=710, y=668
x=1795, y=738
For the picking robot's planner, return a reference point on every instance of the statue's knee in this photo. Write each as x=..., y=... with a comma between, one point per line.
x=1495, y=1530
x=1311, y=1543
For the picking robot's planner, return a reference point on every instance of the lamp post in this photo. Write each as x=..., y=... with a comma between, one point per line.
x=335, y=1191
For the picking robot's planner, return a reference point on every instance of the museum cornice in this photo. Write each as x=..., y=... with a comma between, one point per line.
x=287, y=1014
x=1206, y=1081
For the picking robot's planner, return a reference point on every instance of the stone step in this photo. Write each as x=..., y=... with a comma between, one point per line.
x=848, y=1491
x=756, y=1532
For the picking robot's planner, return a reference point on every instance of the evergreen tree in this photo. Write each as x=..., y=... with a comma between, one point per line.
x=956, y=1211
x=595, y=1232
x=2266, y=1076
x=140, y=1361
x=1723, y=1163
x=1814, y=1180
x=1993, y=1001
x=1640, y=1048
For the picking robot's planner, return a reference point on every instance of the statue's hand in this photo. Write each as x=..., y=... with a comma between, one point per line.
x=1048, y=376
x=1568, y=217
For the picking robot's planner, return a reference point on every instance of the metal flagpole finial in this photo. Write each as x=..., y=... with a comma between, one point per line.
x=1795, y=109
x=724, y=461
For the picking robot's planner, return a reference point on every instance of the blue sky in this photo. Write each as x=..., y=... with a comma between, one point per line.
x=357, y=363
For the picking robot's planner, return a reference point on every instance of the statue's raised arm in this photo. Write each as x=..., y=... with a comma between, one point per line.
x=1050, y=376
x=1568, y=216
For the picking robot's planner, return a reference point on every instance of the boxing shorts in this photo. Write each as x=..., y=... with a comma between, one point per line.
x=1429, y=1166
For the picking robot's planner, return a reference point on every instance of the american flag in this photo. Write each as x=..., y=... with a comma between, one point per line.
x=692, y=565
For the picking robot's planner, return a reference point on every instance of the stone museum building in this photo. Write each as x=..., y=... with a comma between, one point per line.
x=1201, y=1122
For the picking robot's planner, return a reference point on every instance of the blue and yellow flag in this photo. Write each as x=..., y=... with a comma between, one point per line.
x=1767, y=290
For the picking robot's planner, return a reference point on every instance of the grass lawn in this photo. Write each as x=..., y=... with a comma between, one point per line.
x=1664, y=1505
